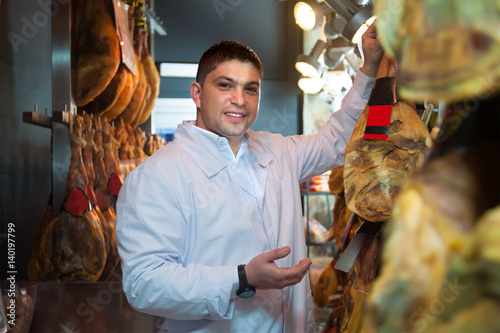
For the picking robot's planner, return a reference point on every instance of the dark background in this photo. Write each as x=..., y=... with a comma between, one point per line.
x=26, y=164
x=266, y=26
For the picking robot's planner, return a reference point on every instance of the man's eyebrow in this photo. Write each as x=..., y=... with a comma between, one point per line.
x=233, y=81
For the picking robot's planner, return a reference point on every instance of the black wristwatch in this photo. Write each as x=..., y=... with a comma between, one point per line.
x=245, y=290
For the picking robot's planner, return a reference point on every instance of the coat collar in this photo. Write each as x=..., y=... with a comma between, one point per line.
x=205, y=148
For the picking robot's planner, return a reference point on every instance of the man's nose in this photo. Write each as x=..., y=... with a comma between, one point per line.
x=238, y=96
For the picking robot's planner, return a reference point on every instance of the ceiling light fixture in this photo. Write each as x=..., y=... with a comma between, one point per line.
x=337, y=50
x=309, y=65
x=333, y=57
x=334, y=26
x=311, y=85
x=308, y=14
x=357, y=19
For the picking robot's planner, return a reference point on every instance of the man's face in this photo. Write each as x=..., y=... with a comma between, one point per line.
x=228, y=101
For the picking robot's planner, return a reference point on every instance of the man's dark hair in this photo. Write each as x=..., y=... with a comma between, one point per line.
x=226, y=51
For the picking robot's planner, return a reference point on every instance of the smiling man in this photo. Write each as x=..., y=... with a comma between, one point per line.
x=210, y=227
x=227, y=98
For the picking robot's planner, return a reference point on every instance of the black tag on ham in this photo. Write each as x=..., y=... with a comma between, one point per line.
x=381, y=101
x=114, y=184
x=77, y=202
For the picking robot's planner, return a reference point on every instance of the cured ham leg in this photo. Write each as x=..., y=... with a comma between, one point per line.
x=36, y=248
x=341, y=214
x=97, y=50
x=435, y=222
x=73, y=246
x=107, y=219
x=375, y=170
x=132, y=110
x=148, y=144
x=358, y=285
x=124, y=99
x=139, y=144
x=108, y=97
x=125, y=151
x=153, y=80
x=111, y=162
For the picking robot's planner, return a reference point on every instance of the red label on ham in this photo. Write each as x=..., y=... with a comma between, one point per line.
x=382, y=98
x=378, y=122
x=114, y=184
x=77, y=202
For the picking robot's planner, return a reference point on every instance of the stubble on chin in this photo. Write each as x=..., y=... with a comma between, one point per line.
x=231, y=131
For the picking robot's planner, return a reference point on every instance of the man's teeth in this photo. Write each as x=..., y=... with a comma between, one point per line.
x=234, y=114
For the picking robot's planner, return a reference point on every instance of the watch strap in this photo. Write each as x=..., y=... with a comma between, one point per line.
x=242, y=276
x=245, y=290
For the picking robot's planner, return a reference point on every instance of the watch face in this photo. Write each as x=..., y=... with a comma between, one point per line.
x=246, y=292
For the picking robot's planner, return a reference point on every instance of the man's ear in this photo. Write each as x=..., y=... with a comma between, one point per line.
x=196, y=94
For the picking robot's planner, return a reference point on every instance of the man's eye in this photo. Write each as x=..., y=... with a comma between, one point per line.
x=224, y=85
x=253, y=90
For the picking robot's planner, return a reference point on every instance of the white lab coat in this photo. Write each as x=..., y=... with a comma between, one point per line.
x=189, y=214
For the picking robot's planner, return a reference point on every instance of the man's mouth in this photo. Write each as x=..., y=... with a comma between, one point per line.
x=236, y=115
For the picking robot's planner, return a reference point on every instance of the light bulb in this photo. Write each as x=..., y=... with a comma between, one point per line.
x=306, y=69
x=308, y=16
x=311, y=85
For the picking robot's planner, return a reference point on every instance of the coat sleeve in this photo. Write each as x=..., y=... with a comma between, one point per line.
x=321, y=152
x=150, y=235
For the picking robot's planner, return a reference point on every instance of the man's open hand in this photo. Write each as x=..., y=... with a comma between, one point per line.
x=263, y=273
